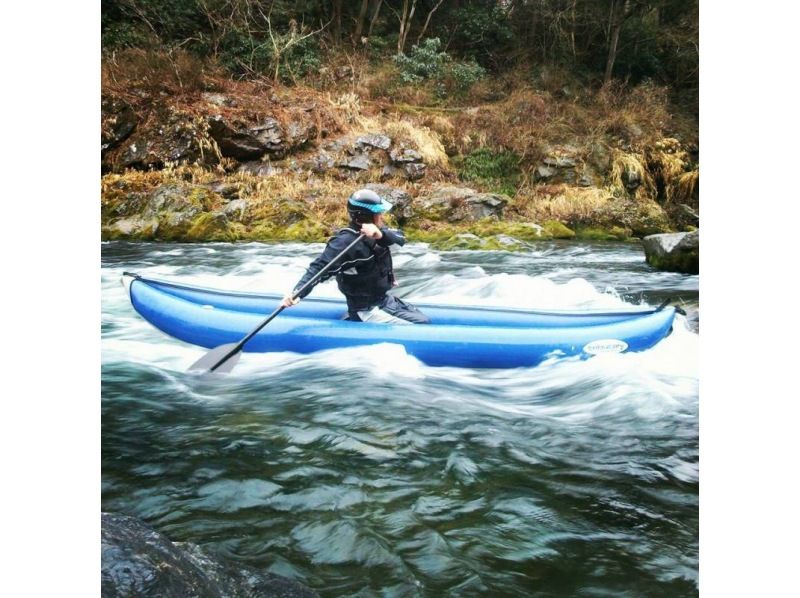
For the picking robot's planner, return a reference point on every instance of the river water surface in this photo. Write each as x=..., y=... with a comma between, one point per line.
x=365, y=472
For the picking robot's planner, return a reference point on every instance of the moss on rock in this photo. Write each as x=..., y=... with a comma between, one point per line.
x=558, y=230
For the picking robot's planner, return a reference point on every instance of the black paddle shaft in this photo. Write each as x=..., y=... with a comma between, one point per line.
x=313, y=281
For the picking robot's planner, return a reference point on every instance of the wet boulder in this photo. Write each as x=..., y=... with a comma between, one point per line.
x=675, y=252
x=136, y=560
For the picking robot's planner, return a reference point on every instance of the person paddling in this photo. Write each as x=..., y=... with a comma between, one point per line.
x=364, y=274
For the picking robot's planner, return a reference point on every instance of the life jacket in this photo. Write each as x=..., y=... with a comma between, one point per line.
x=366, y=273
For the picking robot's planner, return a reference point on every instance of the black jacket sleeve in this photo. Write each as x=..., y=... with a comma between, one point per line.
x=391, y=237
x=334, y=247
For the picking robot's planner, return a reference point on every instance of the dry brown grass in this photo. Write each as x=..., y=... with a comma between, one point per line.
x=685, y=188
x=564, y=203
x=625, y=166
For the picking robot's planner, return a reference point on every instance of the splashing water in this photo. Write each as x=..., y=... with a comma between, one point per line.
x=364, y=471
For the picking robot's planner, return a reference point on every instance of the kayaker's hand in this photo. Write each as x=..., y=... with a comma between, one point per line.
x=372, y=231
x=288, y=301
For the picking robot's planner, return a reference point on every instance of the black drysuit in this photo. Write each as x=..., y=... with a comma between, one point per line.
x=364, y=274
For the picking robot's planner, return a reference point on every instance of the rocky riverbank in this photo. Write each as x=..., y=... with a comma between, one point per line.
x=244, y=163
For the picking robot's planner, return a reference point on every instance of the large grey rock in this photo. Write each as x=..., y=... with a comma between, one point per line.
x=134, y=227
x=374, y=141
x=168, y=200
x=560, y=162
x=414, y=170
x=676, y=252
x=543, y=173
x=247, y=143
x=138, y=561
x=455, y=204
x=299, y=133
x=360, y=162
x=404, y=155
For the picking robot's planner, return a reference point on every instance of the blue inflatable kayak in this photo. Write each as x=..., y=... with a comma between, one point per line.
x=462, y=336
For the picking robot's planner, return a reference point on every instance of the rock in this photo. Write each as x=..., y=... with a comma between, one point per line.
x=631, y=179
x=210, y=226
x=234, y=143
x=141, y=155
x=390, y=171
x=226, y=190
x=373, y=141
x=168, y=199
x=456, y=204
x=343, y=72
x=217, y=99
x=543, y=173
x=507, y=241
x=137, y=227
x=560, y=162
x=258, y=168
x=675, y=252
x=270, y=135
x=400, y=200
x=585, y=181
x=118, y=122
x=414, y=170
x=136, y=560
x=403, y=155
x=360, y=162
x=600, y=158
x=298, y=134
x=321, y=163
x=236, y=210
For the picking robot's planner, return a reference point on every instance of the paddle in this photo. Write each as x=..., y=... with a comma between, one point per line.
x=225, y=357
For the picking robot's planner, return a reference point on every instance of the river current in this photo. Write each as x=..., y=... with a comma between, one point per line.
x=363, y=472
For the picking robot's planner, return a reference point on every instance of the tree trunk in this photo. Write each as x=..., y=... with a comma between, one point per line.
x=428, y=20
x=362, y=14
x=337, y=22
x=617, y=21
x=374, y=17
x=408, y=24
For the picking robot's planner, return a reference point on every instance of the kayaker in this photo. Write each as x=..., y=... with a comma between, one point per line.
x=364, y=275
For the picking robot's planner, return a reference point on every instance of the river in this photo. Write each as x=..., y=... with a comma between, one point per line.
x=365, y=472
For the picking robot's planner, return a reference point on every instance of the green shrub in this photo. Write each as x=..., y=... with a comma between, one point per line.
x=424, y=62
x=427, y=63
x=499, y=171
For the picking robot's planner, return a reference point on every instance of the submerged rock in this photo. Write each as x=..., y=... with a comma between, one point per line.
x=676, y=252
x=138, y=561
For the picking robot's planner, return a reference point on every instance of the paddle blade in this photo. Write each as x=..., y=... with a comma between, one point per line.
x=213, y=357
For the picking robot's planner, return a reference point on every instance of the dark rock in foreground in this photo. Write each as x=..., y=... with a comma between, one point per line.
x=676, y=252
x=138, y=561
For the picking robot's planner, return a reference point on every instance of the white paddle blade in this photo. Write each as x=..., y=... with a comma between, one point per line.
x=213, y=357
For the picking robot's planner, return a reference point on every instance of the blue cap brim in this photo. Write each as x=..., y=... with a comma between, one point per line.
x=375, y=208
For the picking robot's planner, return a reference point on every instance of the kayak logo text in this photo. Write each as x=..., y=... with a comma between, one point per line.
x=608, y=345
